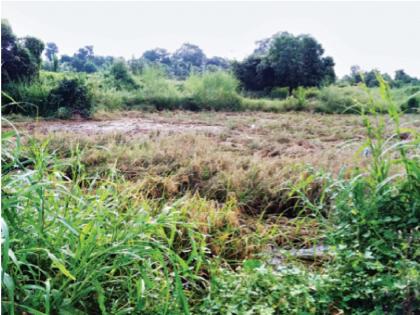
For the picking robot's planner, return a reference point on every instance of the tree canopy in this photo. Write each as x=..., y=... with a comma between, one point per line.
x=285, y=60
x=21, y=58
x=84, y=60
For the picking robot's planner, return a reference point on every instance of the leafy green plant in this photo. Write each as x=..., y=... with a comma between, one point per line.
x=300, y=95
x=72, y=94
x=376, y=221
x=122, y=78
x=412, y=105
x=257, y=289
x=158, y=90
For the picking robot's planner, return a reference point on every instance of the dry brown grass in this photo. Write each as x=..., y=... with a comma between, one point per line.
x=237, y=178
x=255, y=157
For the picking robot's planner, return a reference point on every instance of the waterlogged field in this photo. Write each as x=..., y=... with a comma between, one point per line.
x=210, y=213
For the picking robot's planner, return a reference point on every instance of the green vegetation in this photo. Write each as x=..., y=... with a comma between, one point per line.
x=268, y=80
x=213, y=91
x=284, y=60
x=206, y=209
x=113, y=225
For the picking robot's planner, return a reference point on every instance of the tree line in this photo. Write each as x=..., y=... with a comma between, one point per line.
x=282, y=60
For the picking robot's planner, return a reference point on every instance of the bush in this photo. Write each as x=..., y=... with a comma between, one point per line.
x=213, y=91
x=263, y=104
x=280, y=93
x=376, y=221
x=157, y=90
x=335, y=100
x=63, y=113
x=72, y=94
x=300, y=95
x=25, y=98
x=122, y=77
x=311, y=92
x=412, y=105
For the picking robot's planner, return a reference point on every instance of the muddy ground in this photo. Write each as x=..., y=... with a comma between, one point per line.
x=270, y=135
x=120, y=125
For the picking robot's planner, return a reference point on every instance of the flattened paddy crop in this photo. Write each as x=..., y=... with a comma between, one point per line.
x=170, y=211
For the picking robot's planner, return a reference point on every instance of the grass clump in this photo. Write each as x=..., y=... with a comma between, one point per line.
x=158, y=91
x=213, y=91
x=66, y=247
x=50, y=96
x=30, y=99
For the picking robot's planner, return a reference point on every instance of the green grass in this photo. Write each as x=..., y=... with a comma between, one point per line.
x=219, y=91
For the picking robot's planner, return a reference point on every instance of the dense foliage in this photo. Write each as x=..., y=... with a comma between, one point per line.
x=70, y=97
x=21, y=58
x=285, y=60
x=184, y=61
x=84, y=60
x=284, y=73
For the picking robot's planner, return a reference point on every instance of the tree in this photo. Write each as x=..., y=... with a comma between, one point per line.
x=81, y=58
x=51, y=51
x=190, y=54
x=217, y=63
x=35, y=47
x=84, y=60
x=285, y=60
x=402, y=78
x=157, y=55
x=329, y=73
x=21, y=58
x=136, y=65
x=357, y=75
x=186, y=59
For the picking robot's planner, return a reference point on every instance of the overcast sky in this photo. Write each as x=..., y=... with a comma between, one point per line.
x=383, y=35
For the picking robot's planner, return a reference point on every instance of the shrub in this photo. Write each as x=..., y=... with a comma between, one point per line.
x=72, y=94
x=63, y=113
x=335, y=100
x=263, y=104
x=213, y=91
x=376, y=224
x=412, y=105
x=121, y=76
x=280, y=93
x=311, y=92
x=300, y=95
x=157, y=90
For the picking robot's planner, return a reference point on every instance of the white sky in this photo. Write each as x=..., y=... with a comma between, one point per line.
x=383, y=35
